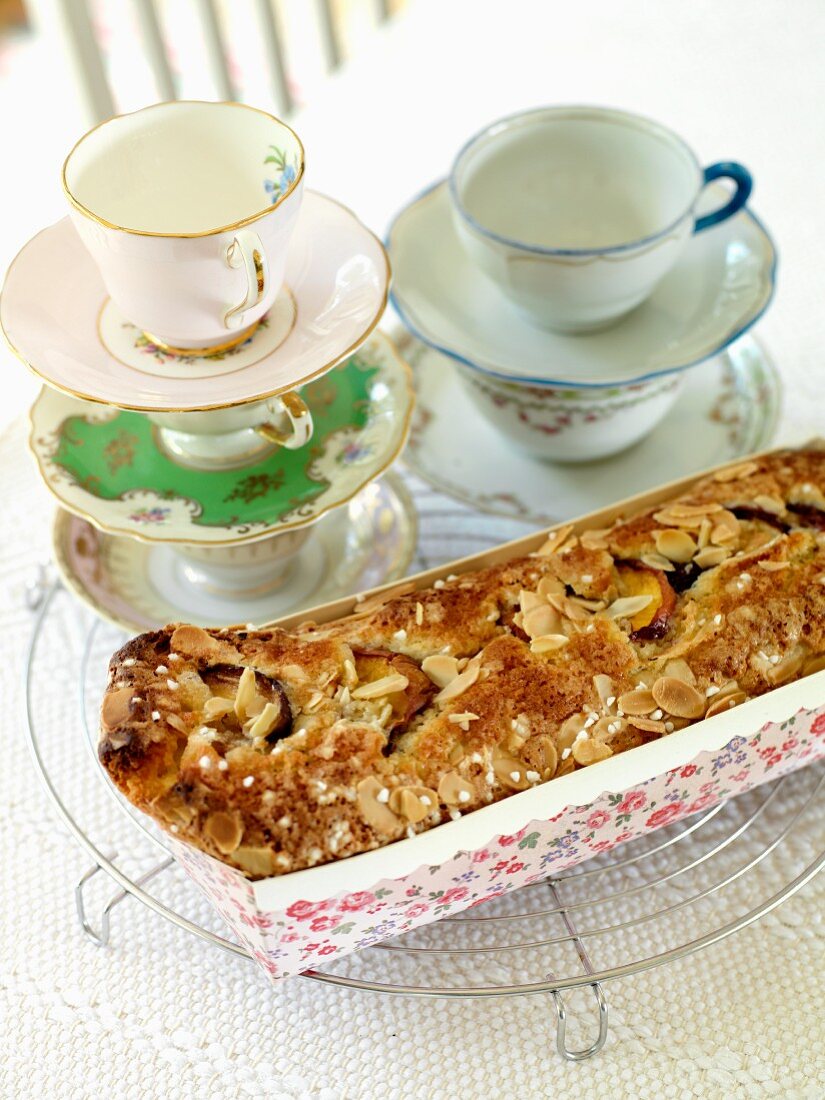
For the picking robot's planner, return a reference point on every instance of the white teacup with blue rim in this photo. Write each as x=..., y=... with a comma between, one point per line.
x=576, y=213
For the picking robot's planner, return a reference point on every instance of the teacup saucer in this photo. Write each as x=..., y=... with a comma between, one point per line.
x=56, y=315
x=108, y=466
x=729, y=406
x=139, y=587
x=721, y=284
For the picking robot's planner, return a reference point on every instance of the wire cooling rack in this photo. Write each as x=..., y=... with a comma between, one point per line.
x=649, y=903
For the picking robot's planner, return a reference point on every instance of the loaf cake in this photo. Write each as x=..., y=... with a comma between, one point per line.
x=275, y=750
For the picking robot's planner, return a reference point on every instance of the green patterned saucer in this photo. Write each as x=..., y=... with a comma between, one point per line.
x=106, y=466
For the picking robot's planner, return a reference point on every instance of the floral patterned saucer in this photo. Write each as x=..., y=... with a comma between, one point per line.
x=140, y=587
x=57, y=318
x=106, y=465
x=728, y=406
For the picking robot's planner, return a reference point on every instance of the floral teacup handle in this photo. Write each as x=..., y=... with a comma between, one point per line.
x=726, y=169
x=247, y=251
x=290, y=407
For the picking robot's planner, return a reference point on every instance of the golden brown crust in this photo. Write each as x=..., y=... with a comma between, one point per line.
x=347, y=736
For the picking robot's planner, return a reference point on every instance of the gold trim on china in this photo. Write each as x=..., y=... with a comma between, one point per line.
x=190, y=353
x=78, y=205
x=254, y=536
x=193, y=353
x=219, y=404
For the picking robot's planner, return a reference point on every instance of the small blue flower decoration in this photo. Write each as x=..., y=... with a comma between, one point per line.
x=277, y=188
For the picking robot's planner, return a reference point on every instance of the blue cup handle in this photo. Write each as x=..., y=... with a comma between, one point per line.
x=726, y=169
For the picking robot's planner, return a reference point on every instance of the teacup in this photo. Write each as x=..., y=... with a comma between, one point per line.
x=576, y=213
x=223, y=439
x=571, y=423
x=187, y=208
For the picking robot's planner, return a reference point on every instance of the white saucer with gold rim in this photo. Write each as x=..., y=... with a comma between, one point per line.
x=58, y=319
x=138, y=586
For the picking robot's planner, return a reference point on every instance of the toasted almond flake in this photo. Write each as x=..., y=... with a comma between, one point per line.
x=734, y=473
x=640, y=701
x=245, y=693
x=721, y=536
x=413, y=803
x=627, y=606
x=773, y=566
x=528, y=600
x=456, y=754
x=224, y=830
x=814, y=664
x=373, y=603
x=650, y=725
x=550, y=586
x=657, y=561
x=509, y=771
x=604, y=688
x=555, y=540
x=569, y=730
x=769, y=504
x=678, y=698
x=711, y=556
x=680, y=670
x=371, y=798
x=725, y=703
x=460, y=683
x=607, y=728
x=549, y=756
x=676, y=545
x=591, y=752
x=265, y=721
x=216, y=707
x=386, y=685
x=452, y=789
x=419, y=613
x=176, y=723
x=683, y=509
x=668, y=519
x=548, y=643
x=786, y=668
x=463, y=718
x=440, y=668
x=704, y=535
x=541, y=621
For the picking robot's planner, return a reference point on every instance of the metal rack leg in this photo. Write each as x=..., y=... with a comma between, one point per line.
x=101, y=938
x=561, y=1009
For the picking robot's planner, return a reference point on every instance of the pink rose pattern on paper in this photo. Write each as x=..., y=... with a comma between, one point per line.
x=308, y=934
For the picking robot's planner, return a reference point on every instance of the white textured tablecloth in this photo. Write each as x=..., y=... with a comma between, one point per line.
x=159, y=1014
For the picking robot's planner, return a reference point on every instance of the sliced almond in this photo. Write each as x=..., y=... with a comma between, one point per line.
x=640, y=701
x=216, y=707
x=176, y=722
x=192, y=640
x=786, y=669
x=453, y=790
x=265, y=721
x=510, y=772
x=386, y=685
x=604, y=687
x=529, y=600
x=650, y=725
x=413, y=803
x=773, y=566
x=711, y=556
x=457, y=753
x=680, y=670
x=440, y=668
x=658, y=561
x=549, y=757
x=555, y=540
x=460, y=684
x=541, y=620
x=675, y=545
x=734, y=473
x=588, y=752
x=727, y=702
x=770, y=504
x=668, y=519
x=595, y=540
x=372, y=799
x=550, y=586
x=548, y=643
x=703, y=538
x=373, y=603
x=116, y=707
x=570, y=729
x=627, y=606
x=224, y=830
x=245, y=693
x=255, y=861
x=608, y=727
x=679, y=698
x=814, y=664
x=704, y=508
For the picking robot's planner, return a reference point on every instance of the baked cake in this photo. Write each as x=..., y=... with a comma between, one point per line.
x=276, y=750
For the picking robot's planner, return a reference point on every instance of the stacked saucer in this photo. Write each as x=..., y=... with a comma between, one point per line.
x=590, y=285
x=217, y=482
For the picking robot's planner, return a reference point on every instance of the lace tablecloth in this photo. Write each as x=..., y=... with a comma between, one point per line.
x=160, y=1014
